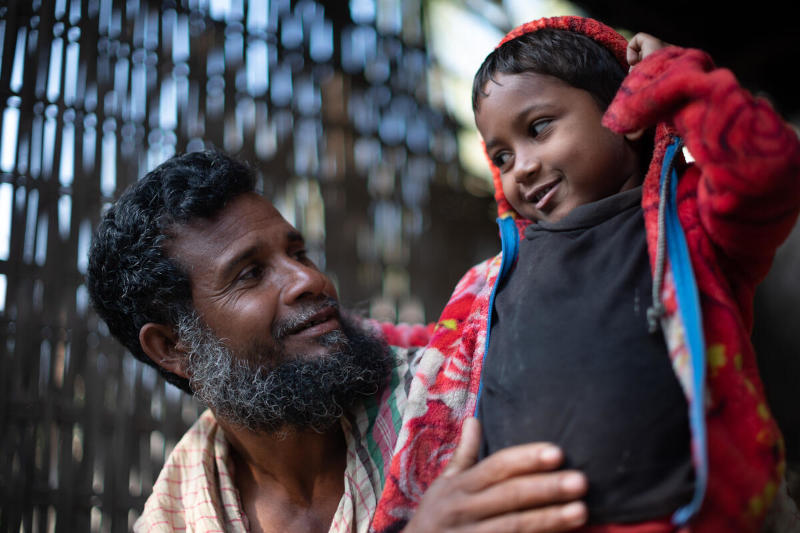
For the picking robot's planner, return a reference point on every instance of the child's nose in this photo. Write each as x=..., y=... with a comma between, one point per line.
x=528, y=165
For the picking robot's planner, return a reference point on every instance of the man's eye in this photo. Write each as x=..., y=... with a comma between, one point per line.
x=250, y=273
x=301, y=256
x=539, y=126
x=501, y=159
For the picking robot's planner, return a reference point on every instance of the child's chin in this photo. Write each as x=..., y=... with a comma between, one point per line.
x=528, y=212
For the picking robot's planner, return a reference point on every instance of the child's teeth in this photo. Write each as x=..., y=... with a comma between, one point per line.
x=541, y=194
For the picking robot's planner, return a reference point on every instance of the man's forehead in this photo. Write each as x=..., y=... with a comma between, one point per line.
x=247, y=220
x=244, y=209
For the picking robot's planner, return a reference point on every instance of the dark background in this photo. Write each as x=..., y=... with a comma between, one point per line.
x=757, y=40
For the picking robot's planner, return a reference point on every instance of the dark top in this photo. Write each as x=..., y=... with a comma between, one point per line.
x=571, y=361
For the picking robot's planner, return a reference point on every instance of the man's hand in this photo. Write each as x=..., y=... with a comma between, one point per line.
x=513, y=490
x=641, y=46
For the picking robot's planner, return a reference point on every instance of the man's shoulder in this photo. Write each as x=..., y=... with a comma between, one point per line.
x=406, y=360
x=198, y=439
x=385, y=409
x=192, y=454
x=187, y=475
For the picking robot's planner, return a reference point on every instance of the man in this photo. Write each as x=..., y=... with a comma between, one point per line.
x=201, y=277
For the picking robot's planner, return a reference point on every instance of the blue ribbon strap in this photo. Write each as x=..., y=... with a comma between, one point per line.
x=691, y=315
x=509, y=237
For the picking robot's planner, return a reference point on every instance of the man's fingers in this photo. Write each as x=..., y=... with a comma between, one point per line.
x=550, y=519
x=514, y=489
x=512, y=462
x=527, y=492
x=466, y=454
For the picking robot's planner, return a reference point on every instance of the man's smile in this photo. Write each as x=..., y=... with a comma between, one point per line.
x=313, y=321
x=321, y=323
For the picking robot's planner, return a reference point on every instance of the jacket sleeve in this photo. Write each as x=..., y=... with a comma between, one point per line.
x=438, y=400
x=748, y=158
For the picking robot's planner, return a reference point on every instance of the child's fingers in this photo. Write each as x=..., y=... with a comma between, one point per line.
x=634, y=49
x=641, y=46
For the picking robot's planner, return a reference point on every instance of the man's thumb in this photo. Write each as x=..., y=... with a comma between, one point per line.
x=466, y=454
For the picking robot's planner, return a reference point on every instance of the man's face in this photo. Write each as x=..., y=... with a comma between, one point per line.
x=252, y=283
x=267, y=347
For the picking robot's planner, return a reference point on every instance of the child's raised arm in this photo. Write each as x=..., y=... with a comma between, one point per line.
x=746, y=175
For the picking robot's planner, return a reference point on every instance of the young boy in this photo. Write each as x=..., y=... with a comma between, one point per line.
x=611, y=237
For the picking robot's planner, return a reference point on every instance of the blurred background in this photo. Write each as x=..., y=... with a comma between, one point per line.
x=357, y=118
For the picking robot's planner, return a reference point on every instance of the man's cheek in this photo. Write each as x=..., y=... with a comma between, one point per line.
x=331, y=292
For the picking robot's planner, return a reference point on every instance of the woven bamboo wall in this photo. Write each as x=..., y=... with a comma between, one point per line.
x=329, y=103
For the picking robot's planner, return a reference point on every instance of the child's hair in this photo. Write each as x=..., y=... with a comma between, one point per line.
x=571, y=57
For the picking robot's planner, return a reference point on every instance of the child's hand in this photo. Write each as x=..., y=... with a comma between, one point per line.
x=641, y=46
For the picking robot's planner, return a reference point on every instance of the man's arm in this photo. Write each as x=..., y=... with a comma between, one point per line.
x=514, y=490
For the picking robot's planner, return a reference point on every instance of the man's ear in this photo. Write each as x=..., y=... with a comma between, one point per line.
x=162, y=346
x=634, y=135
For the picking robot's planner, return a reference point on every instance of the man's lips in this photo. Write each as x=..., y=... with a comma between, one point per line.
x=316, y=323
x=541, y=194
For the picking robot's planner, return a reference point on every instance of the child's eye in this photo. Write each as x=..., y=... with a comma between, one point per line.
x=501, y=159
x=539, y=126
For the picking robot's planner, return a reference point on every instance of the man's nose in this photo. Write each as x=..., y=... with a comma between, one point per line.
x=302, y=281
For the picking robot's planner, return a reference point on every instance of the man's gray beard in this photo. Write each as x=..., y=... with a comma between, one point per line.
x=264, y=389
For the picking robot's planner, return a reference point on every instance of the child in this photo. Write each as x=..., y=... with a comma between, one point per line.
x=591, y=225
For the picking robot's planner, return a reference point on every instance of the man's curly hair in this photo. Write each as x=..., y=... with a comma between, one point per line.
x=131, y=279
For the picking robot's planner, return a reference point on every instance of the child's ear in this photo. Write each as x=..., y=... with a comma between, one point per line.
x=635, y=135
x=162, y=346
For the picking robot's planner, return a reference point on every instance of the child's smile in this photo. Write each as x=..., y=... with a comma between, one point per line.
x=546, y=138
x=541, y=194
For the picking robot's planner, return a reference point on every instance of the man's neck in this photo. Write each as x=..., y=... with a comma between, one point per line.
x=291, y=480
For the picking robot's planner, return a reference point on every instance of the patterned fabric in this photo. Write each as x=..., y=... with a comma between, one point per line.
x=195, y=490
x=405, y=334
x=736, y=204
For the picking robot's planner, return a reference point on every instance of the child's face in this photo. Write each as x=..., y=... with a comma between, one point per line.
x=553, y=154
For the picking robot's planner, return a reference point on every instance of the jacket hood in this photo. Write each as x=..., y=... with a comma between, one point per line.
x=591, y=28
